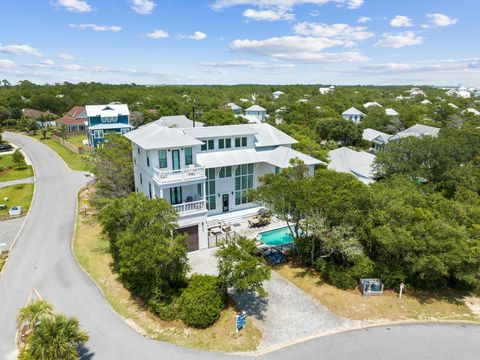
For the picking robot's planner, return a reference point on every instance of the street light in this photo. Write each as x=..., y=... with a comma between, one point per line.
x=194, y=105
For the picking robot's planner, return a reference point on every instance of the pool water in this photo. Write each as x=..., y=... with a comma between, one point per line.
x=278, y=236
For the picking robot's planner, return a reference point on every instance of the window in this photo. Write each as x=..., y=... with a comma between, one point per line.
x=162, y=159
x=244, y=141
x=150, y=190
x=188, y=156
x=277, y=170
x=243, y=183
x=237, y=142
x=221, y=143
x=210, y=189
x=138, y=150
x=176, y=195
x=148, y=161
x=98, y=134
x=109, y=119
x=204, y=146
x=228, y=143
x=124, y=131
x=240, y=142
x=141, y=179
x=225, y=172
x=200, y=190
x=208, y=145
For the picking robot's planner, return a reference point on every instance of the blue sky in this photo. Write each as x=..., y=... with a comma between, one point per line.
x=241, y=41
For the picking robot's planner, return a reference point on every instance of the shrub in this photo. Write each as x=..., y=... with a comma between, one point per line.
x=202, y=301
x=345, y=277
x=166, y=311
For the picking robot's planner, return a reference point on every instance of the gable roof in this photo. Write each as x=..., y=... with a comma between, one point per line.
x=372, y=134
x=268, y=135
x=391, y=112
x=256, y=108
x=178, y=121
x=373, y=103
x=36, y=114
x=353, y=111
x=112, y=109
x=417, y=130
x=219, y=131
x=76, y=112
x=357, y=163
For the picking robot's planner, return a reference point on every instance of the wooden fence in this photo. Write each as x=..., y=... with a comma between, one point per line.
x=76, y=149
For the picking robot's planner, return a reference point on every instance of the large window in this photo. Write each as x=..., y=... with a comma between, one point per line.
x=98, y=134
x=224, y=143
x=162, y=159
x=210, y=189
x=176, y=195
x=243, y=183
x=188, y=156
x=240, y=142
x=225, y=172
x=109, y=119
x=208, y=145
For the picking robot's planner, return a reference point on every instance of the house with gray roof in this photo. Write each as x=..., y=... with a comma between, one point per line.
x=417, y=130
x=208, y=171
x=353, y=115
x=356, y=163
x=256, y=110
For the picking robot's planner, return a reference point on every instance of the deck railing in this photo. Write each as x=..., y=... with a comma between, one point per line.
x=190, y=207
x=190, y=173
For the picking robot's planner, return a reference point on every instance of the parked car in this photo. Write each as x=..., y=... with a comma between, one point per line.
x=5, y=147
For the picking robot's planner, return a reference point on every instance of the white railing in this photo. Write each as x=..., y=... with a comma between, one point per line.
x=190, y=207
x=190, y=173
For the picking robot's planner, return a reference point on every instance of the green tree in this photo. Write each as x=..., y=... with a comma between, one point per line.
x=341, y=130
x=56, y=337
x=18, y=158
x=112, y=165
x=239, y=269
x=221, y=117
x=31, y=314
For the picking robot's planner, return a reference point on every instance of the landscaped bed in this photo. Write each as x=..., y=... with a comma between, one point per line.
x=92, y=251
x=443, y=305
x=17, y=195
x=9, y=171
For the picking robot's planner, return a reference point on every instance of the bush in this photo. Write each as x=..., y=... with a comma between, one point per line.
x=345, y=277
x=165, y=310
x=202, y=301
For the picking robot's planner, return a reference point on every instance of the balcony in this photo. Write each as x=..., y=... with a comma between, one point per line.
x=188, y=208
x=168, y=177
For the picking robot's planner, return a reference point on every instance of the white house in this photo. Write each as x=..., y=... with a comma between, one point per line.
x=477, y=94
x=234, y=107
x=324, y=90
x=180, y=121
x=357, y=163
x=416, y=91
x=369, y=104
x=354, y=115
x=208, y=171
x=258, y=111
x=425, y=102
x=473, y=111
x=453, y=106
x=391, y=112
x=378, y=138
x=277, y=94
x=417, y=130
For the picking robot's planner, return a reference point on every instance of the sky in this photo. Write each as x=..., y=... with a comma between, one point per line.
x=342, y=42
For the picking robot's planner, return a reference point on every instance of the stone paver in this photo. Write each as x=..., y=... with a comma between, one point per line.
x=9, y=230
x=28, y=180
x=287, y=314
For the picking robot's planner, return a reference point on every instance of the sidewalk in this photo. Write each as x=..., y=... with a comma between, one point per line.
x=29, y=180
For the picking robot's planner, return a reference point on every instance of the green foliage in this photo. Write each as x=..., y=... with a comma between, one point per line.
x=239, y=269
x=221, y=117
x=149, y=257
x=112, y=166
x=18, y=158
x=338, y=129
x=201, y=301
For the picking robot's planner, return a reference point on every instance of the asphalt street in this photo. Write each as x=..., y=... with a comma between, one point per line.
x=42, y=258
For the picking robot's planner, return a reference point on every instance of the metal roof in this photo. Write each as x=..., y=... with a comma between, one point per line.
x=353, y=111
x=256, y=108
x=219, y=131
x=178, y=121
x=357, y=163
x=107, y=110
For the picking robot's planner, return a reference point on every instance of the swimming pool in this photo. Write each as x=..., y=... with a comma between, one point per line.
x=275, y=237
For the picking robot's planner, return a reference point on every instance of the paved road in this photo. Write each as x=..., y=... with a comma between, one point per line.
x=42, y=258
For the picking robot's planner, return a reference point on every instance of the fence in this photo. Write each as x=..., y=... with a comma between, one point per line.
x=216, y=240
x=76, y=149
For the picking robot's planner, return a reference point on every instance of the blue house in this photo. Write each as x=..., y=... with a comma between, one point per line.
x=105, y=119
x=257, y=111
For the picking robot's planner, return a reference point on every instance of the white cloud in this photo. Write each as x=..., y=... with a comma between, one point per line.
x=441, y=20
x=66, y=57
x=297, y=48
x=79, y=6
x=158, y=34
x=268, y=15
x=143, y=7
x=6, y=63
x=401, y=21
x=285, y=4
x=18, y=49
x=252, y=64
x=396, y=41
x=197, y=35
x=364, y=19
x=336, y=31
x=94, y=27
x=435, y=66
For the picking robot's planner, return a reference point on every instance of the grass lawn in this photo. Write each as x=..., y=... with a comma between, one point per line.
x=8, y=170
x=76, y=140
x=18, y=195
x=3, y=260
x=447, y=305
x=91, y=250
x=73, y=160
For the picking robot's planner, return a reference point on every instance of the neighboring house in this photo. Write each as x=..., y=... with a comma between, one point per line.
x=354, y=115
x=473, y=111
x=461, y=92
x=178, y=121
x=208, y=171
x=453, y=106
x=326, y=90
x=243, y=100
x=258, y=111
x=477, y=94
x=303, y=101
x=377, y=138
x=75, y=119
x=369, y=104
x=104, y=119
x=237, y=110
x=277, y=94
x=425, y=102
x=416, y=91
x=391, y=112
x=357, y=163
x=43, y=118
x=417, y=130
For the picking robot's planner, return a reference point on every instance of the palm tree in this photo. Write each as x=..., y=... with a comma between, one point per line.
x=31, y=314
x=56, y=337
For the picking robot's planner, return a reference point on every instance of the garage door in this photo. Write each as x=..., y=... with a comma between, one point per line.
x=192, y=239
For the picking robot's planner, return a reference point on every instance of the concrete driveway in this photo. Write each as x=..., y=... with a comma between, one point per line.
x=42, y=257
